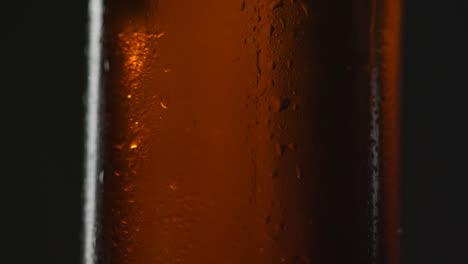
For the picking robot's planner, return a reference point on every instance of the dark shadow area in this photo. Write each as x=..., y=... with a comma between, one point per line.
x=435, y=132
x=42, y=129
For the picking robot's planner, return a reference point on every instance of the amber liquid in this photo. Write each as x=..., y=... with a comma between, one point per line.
x=250, y=132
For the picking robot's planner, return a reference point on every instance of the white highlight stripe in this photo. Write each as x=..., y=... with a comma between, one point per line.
x=95, y=12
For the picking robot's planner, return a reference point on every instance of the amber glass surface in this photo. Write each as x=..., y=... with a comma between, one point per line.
x=250, y=132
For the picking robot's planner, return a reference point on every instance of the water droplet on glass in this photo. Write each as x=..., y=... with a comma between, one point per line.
x=294, y=107
x=292, y=146
x=284, y=104
x=298, y=172
x=106, y=66
x=274, y=174
x=304, y=8
x=283, y=227
x=275, y=4
x=279, y=148
x=101, y=177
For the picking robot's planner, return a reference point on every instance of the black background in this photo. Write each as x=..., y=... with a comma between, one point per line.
x=42, y=91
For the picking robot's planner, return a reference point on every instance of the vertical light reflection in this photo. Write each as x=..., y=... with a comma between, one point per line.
x=95, y=11
x=374, y=133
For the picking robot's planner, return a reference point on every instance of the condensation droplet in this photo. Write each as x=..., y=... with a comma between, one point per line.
x=294, y=107
x=283, y=227
x=279, y=148
x=304, y=8
x=101, y=177
x=275, y=4
x=279, y=105
x=298, y=172
x=274, y=174
x=259, y=71
x=284, y=104
x=106, y=65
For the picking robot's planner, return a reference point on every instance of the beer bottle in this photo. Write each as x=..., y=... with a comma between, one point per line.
x=243, y=131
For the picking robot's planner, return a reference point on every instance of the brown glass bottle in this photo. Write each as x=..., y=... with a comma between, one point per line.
x=250, y=132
